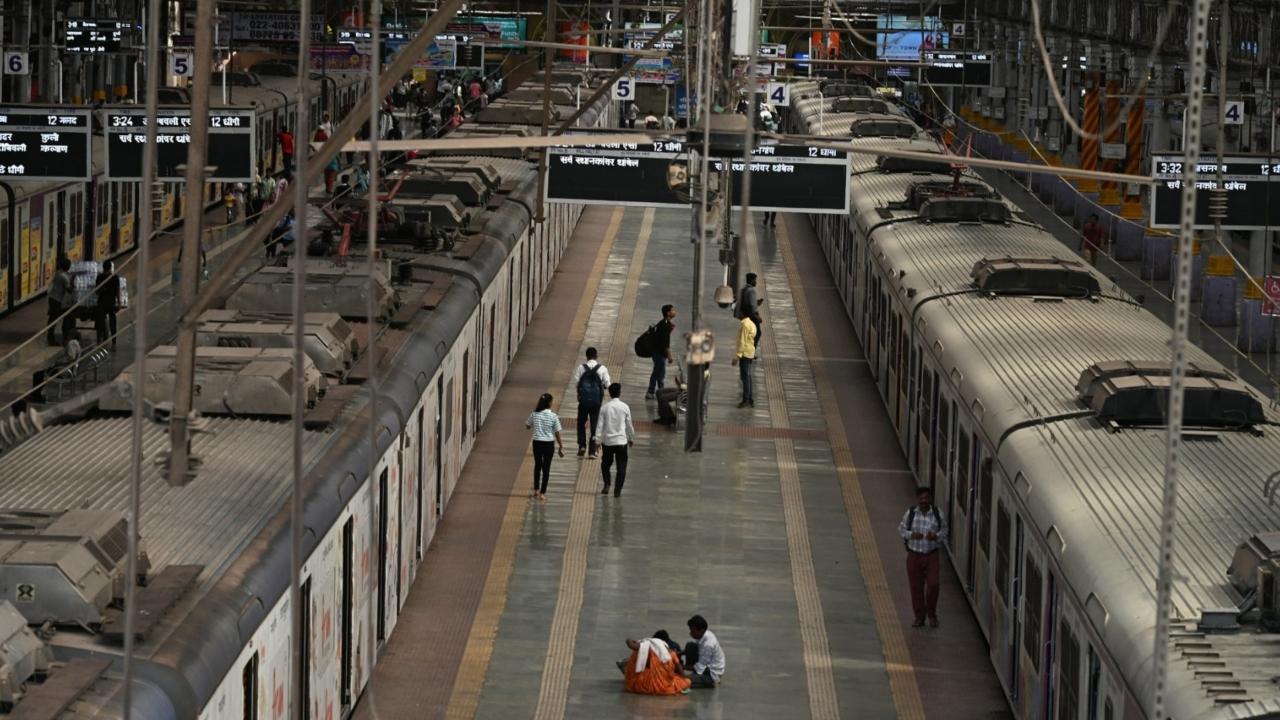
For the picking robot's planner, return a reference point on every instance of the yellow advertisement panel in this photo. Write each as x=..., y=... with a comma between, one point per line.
x=102, y=243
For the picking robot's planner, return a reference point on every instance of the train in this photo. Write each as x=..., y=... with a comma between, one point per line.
x=453, y=300
x=97, y=220
x=1030, y=393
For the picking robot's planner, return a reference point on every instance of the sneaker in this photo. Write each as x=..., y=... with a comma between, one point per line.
x=742, y=404
x=649, y=396
x=919, y=622
x=582, y=452
x=605, y=491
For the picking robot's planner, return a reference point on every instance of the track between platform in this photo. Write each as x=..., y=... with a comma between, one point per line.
x=469, y=682
x=553, y=696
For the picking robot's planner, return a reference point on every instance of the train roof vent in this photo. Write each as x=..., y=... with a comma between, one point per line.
x=882, y=128
x=850, y=90
x=1105, y=370
x=67, y=567
x=1034, y=276
x=890, y=165
x=1143, y=400
x=921, y=192
x=860, y=105
x=964, y=209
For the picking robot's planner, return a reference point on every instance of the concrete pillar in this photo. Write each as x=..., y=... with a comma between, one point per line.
x=1220, y=287
x=1157, y=257
x=1257, y=252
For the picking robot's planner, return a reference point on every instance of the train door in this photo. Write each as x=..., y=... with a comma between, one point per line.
x=410, y=520
x=304, y=651
x=24, y=269
x=961, y=531
x=902, y=392
x=51, y=240
x=438, y=496
x=77, y=247
x=7, y=267
x=348, y=608
x=979, y=519
x=420, y=435
x=511, y=311
x=1031, y=623
x=926, y=420
x=1014, y=603
x=1068, y=670
x=383, y=552
x=944, y=453
x=1050, y=656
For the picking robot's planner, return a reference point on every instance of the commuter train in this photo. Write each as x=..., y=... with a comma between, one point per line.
x=1029, y=392
x=454, y=299
x=97, y=220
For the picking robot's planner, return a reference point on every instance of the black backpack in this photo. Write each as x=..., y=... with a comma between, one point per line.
x=911, y=519
x=589, y=386
x=644, y=343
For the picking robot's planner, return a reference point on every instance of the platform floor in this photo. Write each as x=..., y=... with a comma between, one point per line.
x=781, y=532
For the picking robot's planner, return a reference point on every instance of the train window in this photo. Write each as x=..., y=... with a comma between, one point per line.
x=1031, y=612
x=249, y=689
x=1068, y=673
x=984, y=499
x=466, y=375
x=448, y=412
x=77, y=213
x=1095, y=684
x=962, y=471
x=1003, y=528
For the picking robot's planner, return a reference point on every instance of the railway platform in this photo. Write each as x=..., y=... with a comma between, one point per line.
x=781, y=532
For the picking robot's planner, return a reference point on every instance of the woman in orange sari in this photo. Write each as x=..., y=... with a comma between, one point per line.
x=653, y=668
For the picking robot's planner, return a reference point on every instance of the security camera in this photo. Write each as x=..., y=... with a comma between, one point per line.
x=724, y=296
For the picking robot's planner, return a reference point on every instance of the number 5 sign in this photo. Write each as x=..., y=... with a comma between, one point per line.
x=624, y=89
x=180, y=64
x=15, y=63
x=778, y=94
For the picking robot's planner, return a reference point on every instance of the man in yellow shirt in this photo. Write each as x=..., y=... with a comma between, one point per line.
x=746, y=355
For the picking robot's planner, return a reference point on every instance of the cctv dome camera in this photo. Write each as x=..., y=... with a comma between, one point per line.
x=724, y=296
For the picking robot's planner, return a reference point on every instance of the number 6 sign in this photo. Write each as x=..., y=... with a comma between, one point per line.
x=15, y=63
x=624, y=89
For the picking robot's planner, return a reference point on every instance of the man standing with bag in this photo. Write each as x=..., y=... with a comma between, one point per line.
x=923, y=531
x=590, y=378
x=659, y=347
x=617, y=434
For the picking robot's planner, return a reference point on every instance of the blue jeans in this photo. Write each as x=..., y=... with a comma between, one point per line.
x=659, y=374
x=744, y=371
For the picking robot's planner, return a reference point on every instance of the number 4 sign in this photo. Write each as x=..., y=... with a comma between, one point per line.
x=778, y=94
x=1233, y=113
x=624, y=88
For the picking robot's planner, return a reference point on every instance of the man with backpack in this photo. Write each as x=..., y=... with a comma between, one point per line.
x=657, y=341
x=923, y=531
x=590, y=378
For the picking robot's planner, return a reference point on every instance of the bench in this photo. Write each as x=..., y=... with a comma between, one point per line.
x=78, y=376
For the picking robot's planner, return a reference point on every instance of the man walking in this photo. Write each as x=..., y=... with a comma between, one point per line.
x=661, y=350
x=1092, y=236
x=590, y=378
x=617, y=433
x=745, y=357
x=60, y=300
x=923, y=531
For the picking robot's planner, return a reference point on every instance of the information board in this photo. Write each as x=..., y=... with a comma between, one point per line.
x=787, y=178
x=946, y=67
x=1251, y=182
x=46, y=143
x=90, y=36
x=231, y=148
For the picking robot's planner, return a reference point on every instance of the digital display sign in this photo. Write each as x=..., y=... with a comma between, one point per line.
x=1251, y=182
x=45, y=143
x=788, y=178
x=230, y=151
x=946, y=67
x=95, y=36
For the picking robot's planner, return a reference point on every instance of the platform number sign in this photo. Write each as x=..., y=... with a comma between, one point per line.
x=15, y=63
x=1233, y=113
x=779, y=94
x=957, y=29
x=181, y=64
x=624, y=89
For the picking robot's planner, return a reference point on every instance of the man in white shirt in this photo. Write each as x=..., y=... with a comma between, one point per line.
x=703, y=658
x=590, y=379
x=617, y=433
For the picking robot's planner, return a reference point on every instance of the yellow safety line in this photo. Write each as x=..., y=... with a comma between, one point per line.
x=902, y=679
x=553, y=696
x=474, y=666
x=804, y=581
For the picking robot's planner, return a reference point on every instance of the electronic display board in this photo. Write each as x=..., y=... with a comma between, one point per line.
x=83, y=35
x=949, y=67
x=1253, y=191
x=45, y=143
x=788, y=178
x=231, y=150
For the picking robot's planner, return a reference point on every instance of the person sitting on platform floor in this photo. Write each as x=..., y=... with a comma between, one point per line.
x=704, y=657
x=653, y=667
x=65, y=359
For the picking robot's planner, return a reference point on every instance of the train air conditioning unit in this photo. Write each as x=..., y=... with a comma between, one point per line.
x=727, y=136
x=1255, y=571
x=493, y=131
x=439, y=211
x=517, y=113
x=64, y=566
x=1037, y=277
x=23, y=656
x=964, y=210
x=469, y=188
x=482, y=170
x=341, y=289
x=229, y=381
x=1141, y=400
x=328, y=339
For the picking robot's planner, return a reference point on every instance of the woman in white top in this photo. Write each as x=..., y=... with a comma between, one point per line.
x=546, y=441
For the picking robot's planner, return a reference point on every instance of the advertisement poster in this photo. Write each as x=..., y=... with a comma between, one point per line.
x=337, y=56
x=574, y=33
x=902, y=37
x=442, y=54
x=495, y=31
